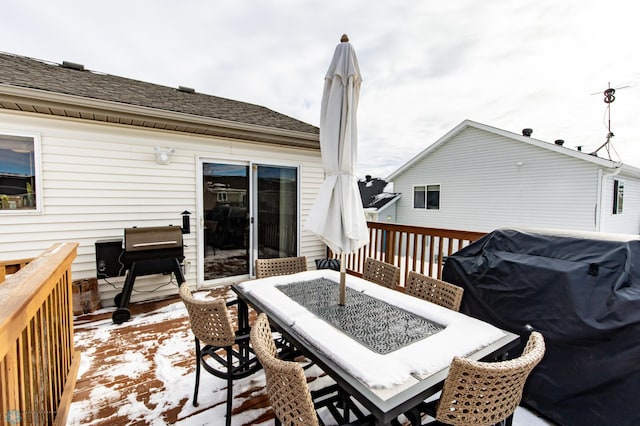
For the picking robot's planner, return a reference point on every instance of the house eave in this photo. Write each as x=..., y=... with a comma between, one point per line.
x=608, y=165
x=63, y=105
x=391, y=202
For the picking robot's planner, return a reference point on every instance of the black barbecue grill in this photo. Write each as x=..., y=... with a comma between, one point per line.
x=148, y=251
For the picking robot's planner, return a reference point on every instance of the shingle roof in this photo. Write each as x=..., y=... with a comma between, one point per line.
x=31, y=73
x=372, y=193
x=380, y=200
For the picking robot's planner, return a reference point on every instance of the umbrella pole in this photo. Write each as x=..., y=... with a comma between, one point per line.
x=343, y=279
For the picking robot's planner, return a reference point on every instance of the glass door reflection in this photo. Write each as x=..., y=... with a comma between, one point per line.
x=226, y=220
x=277, y=217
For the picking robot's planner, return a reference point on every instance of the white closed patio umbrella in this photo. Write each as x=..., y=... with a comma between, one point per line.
x=337, y=216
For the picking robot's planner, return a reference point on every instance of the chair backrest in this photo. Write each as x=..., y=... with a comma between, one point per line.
x=380, y=272
x=434, y=290
x=485, y=393
x=209, y=319
x=280, y=266
x=262, y=339
x=286, y=383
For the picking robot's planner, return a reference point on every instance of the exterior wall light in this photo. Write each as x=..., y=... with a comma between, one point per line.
x=163, y=156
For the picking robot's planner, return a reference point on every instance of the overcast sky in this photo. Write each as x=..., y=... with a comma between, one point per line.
x=426, y=65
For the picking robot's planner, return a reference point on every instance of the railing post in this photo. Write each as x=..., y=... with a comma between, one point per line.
x=389, y=246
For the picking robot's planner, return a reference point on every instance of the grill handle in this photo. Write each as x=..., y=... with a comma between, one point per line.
x=155, y=243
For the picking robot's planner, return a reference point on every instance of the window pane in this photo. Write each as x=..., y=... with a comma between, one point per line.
x=17, y=173
x=433, y=197
x=418, y=197
x=277, y=211
x=618, y=195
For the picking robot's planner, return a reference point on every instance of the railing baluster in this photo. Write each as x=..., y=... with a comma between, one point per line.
x=38, y=363
x=410, y=247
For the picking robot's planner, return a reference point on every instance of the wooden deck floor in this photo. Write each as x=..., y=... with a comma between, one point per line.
x=142, y=372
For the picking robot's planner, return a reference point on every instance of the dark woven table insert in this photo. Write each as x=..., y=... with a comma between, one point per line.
x=378, y=325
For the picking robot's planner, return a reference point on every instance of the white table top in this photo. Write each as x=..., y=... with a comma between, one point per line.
x=385, y=374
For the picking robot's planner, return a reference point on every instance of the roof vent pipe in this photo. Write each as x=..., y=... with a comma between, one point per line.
x=72, y=65
x=559, y=142
x=579, y=148
x=527, y=132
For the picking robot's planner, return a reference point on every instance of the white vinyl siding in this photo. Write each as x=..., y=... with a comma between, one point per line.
x=98, y=179
x=492, y=181
x=627, y=221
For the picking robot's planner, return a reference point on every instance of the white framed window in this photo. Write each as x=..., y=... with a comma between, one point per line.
x=426, y=197
x=618, y=196
x=20, y=188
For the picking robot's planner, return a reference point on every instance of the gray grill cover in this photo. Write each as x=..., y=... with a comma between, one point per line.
x=582, y=291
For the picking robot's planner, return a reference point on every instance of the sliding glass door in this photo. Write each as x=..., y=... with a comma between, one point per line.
x=277, y=195
x=225, y=203
x=248, y=212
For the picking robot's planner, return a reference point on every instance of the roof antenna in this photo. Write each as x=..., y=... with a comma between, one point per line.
x=609, y=97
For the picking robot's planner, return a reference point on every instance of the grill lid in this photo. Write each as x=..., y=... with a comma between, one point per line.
x=152, y=238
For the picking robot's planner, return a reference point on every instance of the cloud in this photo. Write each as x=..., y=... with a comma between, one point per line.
x=426, y=66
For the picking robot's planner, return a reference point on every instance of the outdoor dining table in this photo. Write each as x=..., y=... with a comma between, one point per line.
x=386, y=349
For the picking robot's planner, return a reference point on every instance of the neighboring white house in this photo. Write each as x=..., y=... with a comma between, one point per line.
x=378, y=205
x=84, y=155
x=480, y=178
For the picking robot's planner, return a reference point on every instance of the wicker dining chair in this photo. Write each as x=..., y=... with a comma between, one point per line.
x=292, y=402
x=483, y=393
x=380, y=272
x=434, y=290
x=280, y=266
x=226, y=352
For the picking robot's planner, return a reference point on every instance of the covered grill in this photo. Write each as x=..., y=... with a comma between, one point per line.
x=147, y=251
x=582, y=292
